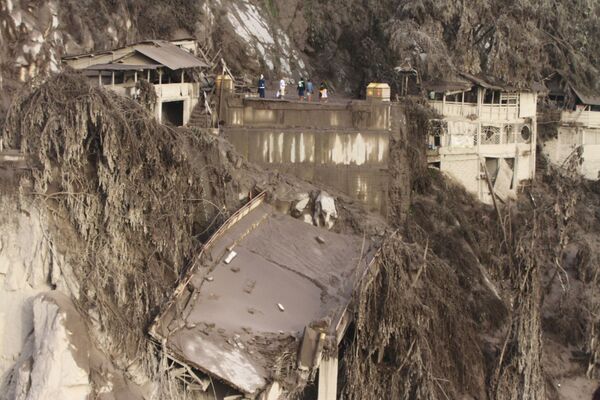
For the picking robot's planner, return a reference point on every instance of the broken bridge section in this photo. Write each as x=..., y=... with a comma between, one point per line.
x=344, y=145
x=266, y=298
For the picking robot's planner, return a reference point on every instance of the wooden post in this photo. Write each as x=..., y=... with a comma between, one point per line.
x=181, y=76
x=99, y=78
x=148, y=75
x=135, y=77
x=112, y=79
x=462, y=104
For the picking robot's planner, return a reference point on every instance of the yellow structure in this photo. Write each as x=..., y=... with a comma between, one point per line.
x=378, y=91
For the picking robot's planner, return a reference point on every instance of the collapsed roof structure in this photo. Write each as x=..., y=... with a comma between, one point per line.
x=264, y=302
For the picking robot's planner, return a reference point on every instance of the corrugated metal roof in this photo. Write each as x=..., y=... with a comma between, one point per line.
x=445, y=86
x=169, y=55
x=161, y=51
x=482, y=82
x=122, y=67
x=586, y=98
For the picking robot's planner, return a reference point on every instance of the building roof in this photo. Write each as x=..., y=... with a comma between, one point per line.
x=122, y=67
x=465, y=82
x=169, y=55
x=448, y=85
x=559, y=84
x=162, y=52
x=587, y=98
x=234, y=318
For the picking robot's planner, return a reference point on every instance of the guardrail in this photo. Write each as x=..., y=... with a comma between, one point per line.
x=489, y=112
x=585, y=118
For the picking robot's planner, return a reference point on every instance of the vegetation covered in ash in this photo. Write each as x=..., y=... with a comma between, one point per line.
x=517, y=42
x=473, y=301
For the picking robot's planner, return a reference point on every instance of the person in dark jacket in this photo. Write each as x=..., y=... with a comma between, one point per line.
x=301, y=88
x=262, y=86
x=596, y=395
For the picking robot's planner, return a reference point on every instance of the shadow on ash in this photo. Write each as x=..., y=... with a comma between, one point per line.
x=265, y=305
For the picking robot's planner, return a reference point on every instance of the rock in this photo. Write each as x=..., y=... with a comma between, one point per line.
x=325, y=212
x=53, y=367
x=300, y=204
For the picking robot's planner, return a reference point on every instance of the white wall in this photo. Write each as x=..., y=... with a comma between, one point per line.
x=464, y=168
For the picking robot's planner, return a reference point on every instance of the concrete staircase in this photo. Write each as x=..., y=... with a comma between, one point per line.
x=200, y=117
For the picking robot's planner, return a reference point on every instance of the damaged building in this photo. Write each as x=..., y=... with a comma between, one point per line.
x=266, y=303
x=172, y=67
x=578, y=127
x=485, y=136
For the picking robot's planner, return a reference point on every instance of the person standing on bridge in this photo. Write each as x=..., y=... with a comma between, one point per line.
x=310, y=89
x=261, y=86
x=301, y=89
x=281, y=88
x=323, y=92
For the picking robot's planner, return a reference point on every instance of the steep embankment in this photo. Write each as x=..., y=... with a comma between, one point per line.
x=126, y=202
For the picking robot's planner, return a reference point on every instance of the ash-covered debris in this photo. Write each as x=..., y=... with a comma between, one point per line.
x=131, y=202
x=285, y=306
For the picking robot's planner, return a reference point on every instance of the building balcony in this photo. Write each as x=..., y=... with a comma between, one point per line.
x=488, y=112
x=589, y=119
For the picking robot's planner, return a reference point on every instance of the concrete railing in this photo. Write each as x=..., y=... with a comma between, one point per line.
x=174, y=90
x=489, y=112
x=454, y=109
x=585, y=118
x=352, y=115
x=499, y=112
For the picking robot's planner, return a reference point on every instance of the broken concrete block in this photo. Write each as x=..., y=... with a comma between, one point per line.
x=325, y=212
x=300, y=204
x=320, y=239
x=230, y=257
x=309, y=354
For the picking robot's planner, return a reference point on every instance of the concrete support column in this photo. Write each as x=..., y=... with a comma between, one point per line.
x=186, y=111
x=328, y=375
x=533, y=141
x=159, y=110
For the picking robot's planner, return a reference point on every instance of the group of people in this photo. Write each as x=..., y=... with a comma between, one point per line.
x=305, y=89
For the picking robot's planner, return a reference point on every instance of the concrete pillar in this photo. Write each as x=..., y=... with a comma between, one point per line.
x=328, y=374
x=159, y=110
x=186, y=111
x=533, y=140
x=444, y=104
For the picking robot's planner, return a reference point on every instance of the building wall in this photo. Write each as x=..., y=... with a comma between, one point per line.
x=467, y=141
x=343, y=146
x=352, y=162
x=254, y=113
x=568, y=140
x=464, y=168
